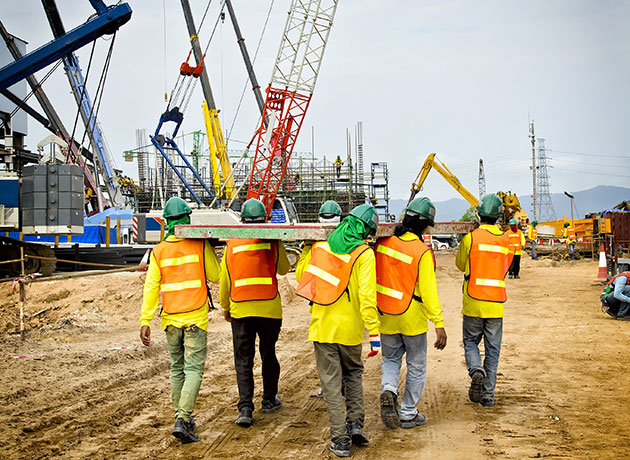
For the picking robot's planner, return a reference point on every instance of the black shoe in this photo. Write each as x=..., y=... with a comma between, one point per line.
x=510, y=276
x=245, y=418
x=389, y=409
x=488, y=401
x=357, y=434
x=476, y=384
x=341, y=448
x=267, y=407
x=418, y=420
x=184, y=431
x=516, y=277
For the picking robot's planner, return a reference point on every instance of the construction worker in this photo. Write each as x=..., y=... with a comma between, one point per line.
x=338, y=164
x=517, y=239
x=406, y=294
x=178, y=270
x=484, y=256
x=568, y=233
x=532, y=236
x=616, y=297
x=251, y=303
x=338, y=277
x=329, y=212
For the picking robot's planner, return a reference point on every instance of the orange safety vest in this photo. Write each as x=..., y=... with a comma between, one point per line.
x=397, y=272
x=252, y=265
x=532, y=233
x=489, y=263
x=515, y=239
x=327, y=274
x=612, y=280
x=571, y=235
x=182, y=268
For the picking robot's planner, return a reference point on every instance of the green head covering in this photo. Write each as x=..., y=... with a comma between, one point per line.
x=178, y=220
x=348, y=235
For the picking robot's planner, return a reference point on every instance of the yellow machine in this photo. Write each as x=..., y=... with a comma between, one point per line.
x=216, y=144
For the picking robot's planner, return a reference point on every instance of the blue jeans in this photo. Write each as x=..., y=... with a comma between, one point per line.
x=394, y=346
x=533, y=243
x=571, y=249
x=491, y=329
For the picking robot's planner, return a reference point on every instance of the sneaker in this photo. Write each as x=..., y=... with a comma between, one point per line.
x=245, y=418
x=389, y=409
x=357, y=434
x=418, y=420
x=623, y=318
x=184, y=431
x=510, y=276
x=516, y=277
x=488, y=401
x=341, y=448
x=476, y=382
x=267, y=407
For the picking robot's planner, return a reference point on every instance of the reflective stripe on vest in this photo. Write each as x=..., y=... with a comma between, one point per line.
x=397, y=273
x=327, y=274
x=251, y=264
x=489, y=257
x=183, y=280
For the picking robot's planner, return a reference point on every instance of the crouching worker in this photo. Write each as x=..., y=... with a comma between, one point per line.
x=338, y=276
x=616, y=297
x=251, y=303
x=178, y=270
x=406, y=293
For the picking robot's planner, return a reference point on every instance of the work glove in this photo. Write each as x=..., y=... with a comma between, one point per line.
x=375, y=345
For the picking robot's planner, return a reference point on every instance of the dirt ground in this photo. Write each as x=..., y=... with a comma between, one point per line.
x=84, y=387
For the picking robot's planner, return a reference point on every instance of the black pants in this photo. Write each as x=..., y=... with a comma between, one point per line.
x=244, y=331
x=515, y=268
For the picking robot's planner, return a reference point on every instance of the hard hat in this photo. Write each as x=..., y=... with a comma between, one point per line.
x=566, y=224
x=367, y=214
x=329, y=209
x=534, y=222
x=490, y=206
x=253, y=209
x=512, y=222
x=175, y=207
x=422, y=206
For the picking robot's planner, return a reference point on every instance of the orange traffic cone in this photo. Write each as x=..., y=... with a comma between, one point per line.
x=145, y=261
x=601, y=271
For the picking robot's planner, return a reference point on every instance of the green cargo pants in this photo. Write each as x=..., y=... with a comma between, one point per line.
x=187, y=348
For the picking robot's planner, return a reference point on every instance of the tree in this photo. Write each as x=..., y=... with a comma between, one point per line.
x=470, y=215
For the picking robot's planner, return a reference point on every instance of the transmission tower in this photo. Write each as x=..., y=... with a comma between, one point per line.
x=545, y=205
x=482, y=180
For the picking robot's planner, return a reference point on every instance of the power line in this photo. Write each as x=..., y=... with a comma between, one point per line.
x=626, y=156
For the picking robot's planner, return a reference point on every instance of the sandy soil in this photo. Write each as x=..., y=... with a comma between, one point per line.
x=87, y=388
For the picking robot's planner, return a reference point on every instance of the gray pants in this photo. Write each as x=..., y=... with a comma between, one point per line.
x=340, y=366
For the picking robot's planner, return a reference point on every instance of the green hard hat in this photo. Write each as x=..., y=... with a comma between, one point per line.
x=490, y=206
x=367, y=214
x=422, y=206
x=566, y=224
x=253, y=209
x=175, y=207
x=534, y=223
x=512, y=222
x=330, y=208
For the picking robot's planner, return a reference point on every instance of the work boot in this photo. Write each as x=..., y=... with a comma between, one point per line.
x=245, y=418
x=357, y=434
x=488, y=401
x=418, y=420
x=476, y=383
x=340, y=447
x=184, y=431
x=389, y=409
x=267, y=406
x=623, y=318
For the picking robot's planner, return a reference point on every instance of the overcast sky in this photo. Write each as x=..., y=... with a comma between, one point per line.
x=458, y=77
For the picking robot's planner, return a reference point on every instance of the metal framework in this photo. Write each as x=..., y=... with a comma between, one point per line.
x=546, y=210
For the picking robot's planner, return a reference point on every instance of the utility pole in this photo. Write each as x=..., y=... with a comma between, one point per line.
x=482, y=180
x=532, y=136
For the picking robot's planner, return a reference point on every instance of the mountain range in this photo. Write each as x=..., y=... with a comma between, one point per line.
x=595, y=199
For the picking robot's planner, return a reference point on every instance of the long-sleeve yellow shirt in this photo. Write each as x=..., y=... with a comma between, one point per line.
x=343, y=322
x=414, y=320
x=519, y=251
x=263, y=308
x=151, y=296
x=470, y=306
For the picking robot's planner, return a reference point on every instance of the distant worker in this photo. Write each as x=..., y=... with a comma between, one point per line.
x=329, y=212
x=616, y=297
x=532, y=236
x=178, y=270
x=406, y=294
x=569, y=234
x=251, y=303
x=517, y=240
x=338, y=164
x=484, y=255
x=338, y=276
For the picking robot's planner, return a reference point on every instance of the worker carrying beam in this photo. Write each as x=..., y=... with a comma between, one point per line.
x=406, y=293
x=517, y=240
x=338, y=277
x=532, y=236
x=179, y=270
x=252, y=305
x=484, y=256
x=568, y=233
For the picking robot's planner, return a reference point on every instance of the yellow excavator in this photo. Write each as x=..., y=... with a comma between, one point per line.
x=511, y=206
